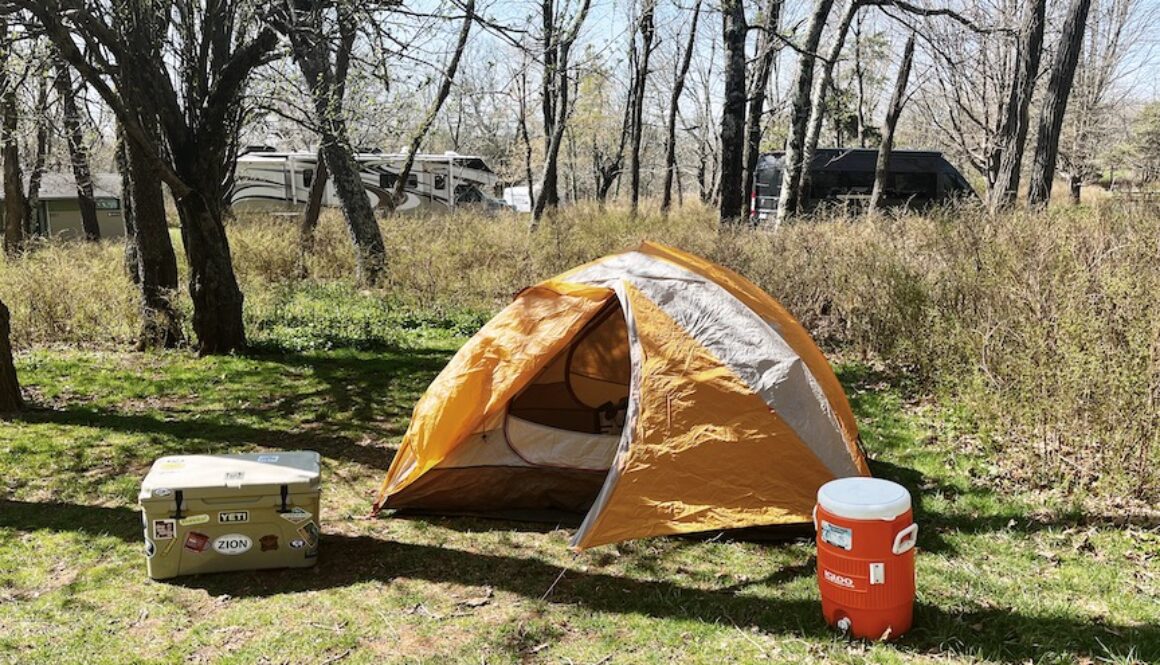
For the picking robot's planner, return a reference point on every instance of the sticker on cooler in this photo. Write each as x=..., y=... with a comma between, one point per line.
x=840, y=580
x=837, y=536
x=232, y=543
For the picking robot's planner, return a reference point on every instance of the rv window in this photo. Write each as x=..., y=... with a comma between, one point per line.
x=412, y=181
x=440, y=182
x=307, y=177
x=387, y=180
x=108, y=204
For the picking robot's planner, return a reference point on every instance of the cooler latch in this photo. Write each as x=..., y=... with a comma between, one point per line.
x=179, y=497
x=285, y=491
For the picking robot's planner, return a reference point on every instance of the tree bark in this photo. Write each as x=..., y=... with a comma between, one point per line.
x=128, y=211
x=822, y=86
x=309, y=223
x=548, y=186
x=733, y=29
x=78, y=153
x=562, y=42
x=156, y=260
x=1014, y=134
x=40, y=161
x=11, y=399
x=897, y=102
x=1054, y=105
x=766, y=52
x=792, y=165
x=674, y=101
x=16, y=208
x=647, y=32
x=312, y=53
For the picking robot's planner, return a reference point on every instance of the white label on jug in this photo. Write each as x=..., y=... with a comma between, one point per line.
x=838, y=536
x=267, y=459
x=232, y=543
x=233, y=516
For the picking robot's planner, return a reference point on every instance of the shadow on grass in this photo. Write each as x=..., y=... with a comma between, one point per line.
x=361, y=399
x=989, y=633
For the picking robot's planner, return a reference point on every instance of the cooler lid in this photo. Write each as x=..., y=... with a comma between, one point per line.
x=860, y=498
x=211, y=476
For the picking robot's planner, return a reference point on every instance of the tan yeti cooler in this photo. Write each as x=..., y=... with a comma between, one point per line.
x=213, y=513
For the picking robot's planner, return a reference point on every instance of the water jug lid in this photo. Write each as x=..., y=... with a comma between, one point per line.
x=864, y=498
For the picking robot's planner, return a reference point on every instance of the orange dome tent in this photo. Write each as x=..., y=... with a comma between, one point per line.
x=652, y=390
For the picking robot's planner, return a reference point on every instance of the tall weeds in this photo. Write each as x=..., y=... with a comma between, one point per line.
x=1044, y=326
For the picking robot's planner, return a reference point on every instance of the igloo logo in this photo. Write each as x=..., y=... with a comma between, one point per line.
x=840, y=580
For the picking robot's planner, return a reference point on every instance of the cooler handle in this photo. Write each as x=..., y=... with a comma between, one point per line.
x=815, y=517
x=905, y=540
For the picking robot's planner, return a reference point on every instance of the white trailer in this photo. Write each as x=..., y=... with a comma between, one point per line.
x=280, y=181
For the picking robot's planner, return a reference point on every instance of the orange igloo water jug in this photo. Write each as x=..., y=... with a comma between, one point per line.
x=866, y=536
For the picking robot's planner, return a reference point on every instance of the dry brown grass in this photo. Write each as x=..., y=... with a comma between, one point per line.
x=1043, y=327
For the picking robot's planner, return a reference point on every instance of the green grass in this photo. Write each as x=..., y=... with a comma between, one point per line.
x=1008, y=579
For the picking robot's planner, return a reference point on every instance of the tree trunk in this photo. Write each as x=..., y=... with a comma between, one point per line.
x=78, y=154
x=309, y=223
x=647, y=32
x=822, y=86
x=1054, y=104
x=674, y=101
x=40, y=161
x=897, y=101
x=1014, y=134
x=16, y=209
x=549, y=189
x=766, y=52
x=326, y=82
x=792, y=166
x=1075, y=185
x=399, y=192
x=156, y=262
x=217, y=300
x=128, y=211
x=10, y=398
x=528, y=177
x=733, y=30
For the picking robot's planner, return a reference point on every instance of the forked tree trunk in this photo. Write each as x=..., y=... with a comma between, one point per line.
x=733, y=28
x=822, y=88
x=78, y=153
x=1014, y=135
x=1055, y=103
x=674, y=101
x=897, y=101
x=792, y=165
x=10, y=398
x=766, y=52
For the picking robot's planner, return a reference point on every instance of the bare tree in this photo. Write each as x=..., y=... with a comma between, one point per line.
x=43, y=147
x=1054, y=105
x=897, y=102
x=647, y=31
x=309, y=25
x=825, y=81
x=78, y=152
x=433, y=112
x=730, y=184
x=800, y=106
x=16, y=208
x=559, y=41
x=674, y=100
x=758, y=91
x=1014, y=126
x=211, y=49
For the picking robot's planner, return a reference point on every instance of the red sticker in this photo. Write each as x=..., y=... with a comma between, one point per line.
x=196, y=542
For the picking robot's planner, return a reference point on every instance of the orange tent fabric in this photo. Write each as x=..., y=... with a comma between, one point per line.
x=653, y=391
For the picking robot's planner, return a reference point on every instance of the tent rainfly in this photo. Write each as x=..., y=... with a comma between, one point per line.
x=652, y=391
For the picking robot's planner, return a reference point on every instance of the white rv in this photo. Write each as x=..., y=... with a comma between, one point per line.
x=280, y=181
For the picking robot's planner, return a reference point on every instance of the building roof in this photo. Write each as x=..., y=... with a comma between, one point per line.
x=62, y=186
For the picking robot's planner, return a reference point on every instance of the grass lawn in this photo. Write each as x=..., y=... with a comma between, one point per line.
x=1008, y=579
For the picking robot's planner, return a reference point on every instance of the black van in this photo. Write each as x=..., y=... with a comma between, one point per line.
x=845, y=176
